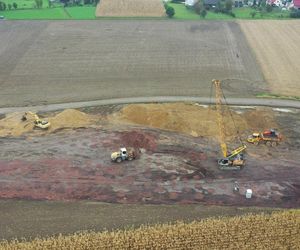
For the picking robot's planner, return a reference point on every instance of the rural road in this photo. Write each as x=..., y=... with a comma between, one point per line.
x=276, y=103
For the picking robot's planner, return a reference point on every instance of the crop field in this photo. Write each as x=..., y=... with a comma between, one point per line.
x=79, y=61
x=130, y=8
x=276, y=231
x=276, y=46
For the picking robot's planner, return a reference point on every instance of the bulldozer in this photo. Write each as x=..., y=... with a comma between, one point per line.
x=233, y=160
x=123, y=154
x=38, y=123
x=269, y=137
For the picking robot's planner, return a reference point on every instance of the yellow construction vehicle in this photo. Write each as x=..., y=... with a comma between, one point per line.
x=270, y=137
x=38, y=123
x=123, y=154
x=233, y=160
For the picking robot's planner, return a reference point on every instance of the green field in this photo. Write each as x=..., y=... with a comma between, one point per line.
x=84, y=12
x=78, y=12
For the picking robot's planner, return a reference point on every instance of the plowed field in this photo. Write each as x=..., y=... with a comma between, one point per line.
x=54, y=62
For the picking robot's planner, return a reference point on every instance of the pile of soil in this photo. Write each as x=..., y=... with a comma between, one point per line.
x=193, y=119
x=12, y=124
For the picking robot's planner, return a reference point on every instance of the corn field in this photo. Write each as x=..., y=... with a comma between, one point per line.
x=280, y=230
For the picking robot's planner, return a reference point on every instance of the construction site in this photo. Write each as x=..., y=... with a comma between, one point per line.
x=143, y=155
x=177, y=151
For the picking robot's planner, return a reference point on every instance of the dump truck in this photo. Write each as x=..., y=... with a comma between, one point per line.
x=269, y=137
x=123, y=154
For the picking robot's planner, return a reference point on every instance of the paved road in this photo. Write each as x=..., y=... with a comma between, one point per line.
x=276, y=103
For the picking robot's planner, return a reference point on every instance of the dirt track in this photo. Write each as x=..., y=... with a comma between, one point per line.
x=57, y=62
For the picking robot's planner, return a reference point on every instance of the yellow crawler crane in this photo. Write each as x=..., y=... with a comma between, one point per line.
x=233, y=160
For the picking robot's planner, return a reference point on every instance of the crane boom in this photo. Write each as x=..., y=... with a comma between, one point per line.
x=223, y=145
x=233, y=160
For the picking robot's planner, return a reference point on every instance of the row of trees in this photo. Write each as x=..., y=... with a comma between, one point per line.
x=223, y=6
x=9, y=6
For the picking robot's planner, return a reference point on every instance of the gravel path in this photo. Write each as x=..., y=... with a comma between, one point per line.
x=277, y=103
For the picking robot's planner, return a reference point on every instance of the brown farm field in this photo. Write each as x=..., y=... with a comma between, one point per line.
x=130, y=8
x=277, y=47
x=56, y=62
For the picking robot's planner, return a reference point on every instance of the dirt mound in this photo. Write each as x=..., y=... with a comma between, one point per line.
x=193, y=119
x=71, y=118
x=123, y=8
x=12, y=124
x=138, y=139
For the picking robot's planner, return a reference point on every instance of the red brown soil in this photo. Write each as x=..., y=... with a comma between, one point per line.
x=174, y=168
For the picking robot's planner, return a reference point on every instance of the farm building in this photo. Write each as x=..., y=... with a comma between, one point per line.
x=296, y=4
x=277, y=3
x=210, y=3
x=190, y=2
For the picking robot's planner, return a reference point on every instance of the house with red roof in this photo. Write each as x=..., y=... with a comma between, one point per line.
x=296, y=4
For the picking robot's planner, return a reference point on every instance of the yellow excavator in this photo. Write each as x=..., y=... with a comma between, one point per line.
x=38, y=123
x=233, y=160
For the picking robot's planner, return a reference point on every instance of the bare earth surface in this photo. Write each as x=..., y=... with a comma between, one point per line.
x=129, y=8
x=25, y=218
x=171, y=168
x=56, y=62
x=276, y=46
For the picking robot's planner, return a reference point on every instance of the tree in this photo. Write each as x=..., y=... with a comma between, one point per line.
x=170, y=11
x=253, y=14
x=15, y=5
x=203, y=13
x=198, y=7
x=228, y=5
x=269, y=8
x=9, y=6
x=39, y=3
x=2, y=6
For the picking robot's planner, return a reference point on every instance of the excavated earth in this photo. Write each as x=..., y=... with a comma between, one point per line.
x=171, y=167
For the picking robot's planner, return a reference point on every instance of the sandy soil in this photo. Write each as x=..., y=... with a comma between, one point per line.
x=276, y=46
x=65, y=61
x=129, y=8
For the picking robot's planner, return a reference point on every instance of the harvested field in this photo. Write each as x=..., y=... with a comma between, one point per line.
x=122, y=58
x=130, y=8
x=276, y=46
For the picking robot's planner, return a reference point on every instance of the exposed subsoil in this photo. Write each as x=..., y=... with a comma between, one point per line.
x=171, y=168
